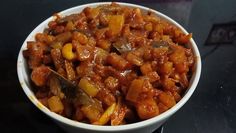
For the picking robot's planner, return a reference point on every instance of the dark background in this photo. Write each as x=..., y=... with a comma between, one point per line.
x=211, y=109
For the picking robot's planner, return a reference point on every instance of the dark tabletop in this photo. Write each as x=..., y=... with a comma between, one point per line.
x=211, y=109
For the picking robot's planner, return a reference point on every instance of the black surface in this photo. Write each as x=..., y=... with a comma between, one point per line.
x=211, y=109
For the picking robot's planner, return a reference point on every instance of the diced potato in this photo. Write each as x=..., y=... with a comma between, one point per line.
x=116, y=23
x=146, y=68
x=167, y=100
x=138, y=18
x=55, y=104
x=166, y=68
x=70, y=26
x=168, y=83
x=106, y=115
x=178, y=55
x=158, y=52
x=67, y=52
x=88, y=87
x=147, y=108
x=181, y=67
x=153, y=76
x=135, y=89
x=148, y=27
x=91, y=13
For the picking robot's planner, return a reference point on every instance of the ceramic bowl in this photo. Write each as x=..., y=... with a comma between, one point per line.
x=69, y=125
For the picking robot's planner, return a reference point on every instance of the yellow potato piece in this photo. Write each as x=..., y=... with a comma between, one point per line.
x=89, y=88
x=116, y=23
x=55, y=104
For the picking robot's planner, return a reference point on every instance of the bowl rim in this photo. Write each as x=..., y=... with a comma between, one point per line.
x=193, y=83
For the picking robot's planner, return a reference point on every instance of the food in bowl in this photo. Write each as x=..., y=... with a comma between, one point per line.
x=132, y=64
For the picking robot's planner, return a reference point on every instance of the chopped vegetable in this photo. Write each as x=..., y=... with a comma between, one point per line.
x=63, y=37
x=119, y=113
x=101, y=56
x=106, y=115
x=55, y=104
x=104, y=44
x=83, y=52
x=117, y=61
x=146, y=68
x=116, y=23
x=91, y=113
x=135, y=89
x=166, y=68
x=147, y=108
x=70, y=26
x=67, y=52
x=88, y=87
x=134, y=59
x=167, y=100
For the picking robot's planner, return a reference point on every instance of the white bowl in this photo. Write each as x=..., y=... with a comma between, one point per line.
x=74, y=126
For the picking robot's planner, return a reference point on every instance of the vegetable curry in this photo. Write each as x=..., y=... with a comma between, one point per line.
x=133, y=64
